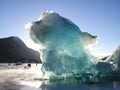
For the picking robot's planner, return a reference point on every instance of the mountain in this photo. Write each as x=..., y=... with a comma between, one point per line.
x=13, y=49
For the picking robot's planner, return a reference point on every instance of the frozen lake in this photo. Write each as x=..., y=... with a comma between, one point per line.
x=14, y=77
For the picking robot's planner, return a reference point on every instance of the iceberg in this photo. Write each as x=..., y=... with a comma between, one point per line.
x=64, y=49
x=109, y=69
x=115, y=57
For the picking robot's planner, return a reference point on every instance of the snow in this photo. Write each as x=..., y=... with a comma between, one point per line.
x=14, y=77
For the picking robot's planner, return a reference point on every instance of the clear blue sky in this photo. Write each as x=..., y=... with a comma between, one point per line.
x=98, y=17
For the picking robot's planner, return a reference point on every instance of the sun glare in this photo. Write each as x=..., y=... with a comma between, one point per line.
x=32, y=45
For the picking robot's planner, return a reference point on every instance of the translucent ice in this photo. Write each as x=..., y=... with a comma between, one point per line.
x=64, y=48
x=64, y=45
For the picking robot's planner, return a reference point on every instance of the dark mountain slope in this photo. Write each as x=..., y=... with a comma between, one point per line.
x=13, y=49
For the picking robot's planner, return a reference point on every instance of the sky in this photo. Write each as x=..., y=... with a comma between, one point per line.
x=98, y=17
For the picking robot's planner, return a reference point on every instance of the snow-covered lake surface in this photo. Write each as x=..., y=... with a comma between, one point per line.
x=18, y=77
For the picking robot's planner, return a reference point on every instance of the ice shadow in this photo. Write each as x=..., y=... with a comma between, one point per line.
x=76, y=85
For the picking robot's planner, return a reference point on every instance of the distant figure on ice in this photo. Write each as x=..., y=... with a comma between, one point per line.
x=29, y=65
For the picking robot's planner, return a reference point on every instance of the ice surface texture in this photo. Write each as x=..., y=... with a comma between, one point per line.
x=63, y=48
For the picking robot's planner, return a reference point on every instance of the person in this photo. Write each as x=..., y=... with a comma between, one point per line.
x=25, y=67
x=29, y=65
